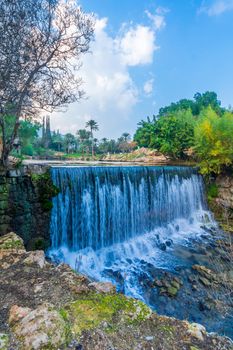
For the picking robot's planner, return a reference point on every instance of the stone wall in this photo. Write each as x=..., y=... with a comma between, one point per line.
x=221, y=200
x=25, y=205
x=225, y=192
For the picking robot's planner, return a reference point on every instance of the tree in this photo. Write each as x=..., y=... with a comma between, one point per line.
x=183, y=104
x=126, y=136
x=69, y=142
x=209, y=98
x=174, y=133
x=84, y=139
x=28, y=132
x=145, y=133
x=57, y=141
x=93, y=125
x=214, y=141
x=41, y=43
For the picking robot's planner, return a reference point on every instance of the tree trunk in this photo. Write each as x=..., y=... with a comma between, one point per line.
x=92, y=144
x=7, y=144
x=4, y=161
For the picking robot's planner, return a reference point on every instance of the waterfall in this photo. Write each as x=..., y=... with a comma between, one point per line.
x=120, y=223
x=101, y=206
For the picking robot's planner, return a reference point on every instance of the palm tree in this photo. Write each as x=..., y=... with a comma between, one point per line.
x=93, y=125
x=126, y=136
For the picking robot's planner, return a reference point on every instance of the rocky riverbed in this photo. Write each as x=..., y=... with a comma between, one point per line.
x=47, y=306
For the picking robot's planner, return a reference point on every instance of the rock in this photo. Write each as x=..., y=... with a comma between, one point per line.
x=207, y=276
x=204, y=305
x=103, y=287
x=36, y=257
x=168, y=285
x=17, y=313
x=158, y=283
x=43, y=328
x=203, y=270
x=175, y=284
x=11, y=250
x=11, y=241
x=196, y=330
x=205, y=281
x=162, y=246
x=169, y=242
x=172, y=292
x=4, y=341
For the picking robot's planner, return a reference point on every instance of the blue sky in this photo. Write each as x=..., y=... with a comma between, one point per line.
x=147, y=54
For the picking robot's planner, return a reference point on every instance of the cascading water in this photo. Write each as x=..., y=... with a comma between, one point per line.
x=108, y=222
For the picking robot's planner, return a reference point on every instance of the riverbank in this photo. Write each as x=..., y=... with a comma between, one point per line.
x=44, y=306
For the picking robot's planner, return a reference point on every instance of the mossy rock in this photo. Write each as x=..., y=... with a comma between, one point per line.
x=4, y=341
x=11, y=241
x=115, y=310
x=47, y=190
x=172, y=291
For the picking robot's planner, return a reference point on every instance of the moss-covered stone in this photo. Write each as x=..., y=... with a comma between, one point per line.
x=4, y=341
x=11, y=241
x=47, y=189
x=89, y=312
x=172, y=291
x=25, y=205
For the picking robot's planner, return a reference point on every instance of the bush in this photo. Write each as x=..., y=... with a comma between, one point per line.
x=214, y=141
x=28, y=150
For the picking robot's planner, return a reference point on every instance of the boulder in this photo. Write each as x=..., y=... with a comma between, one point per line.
x=36, y=257
x=11, y=241
x=17, y=313
x=196, y=330
x=43, y=328
x=11, y=250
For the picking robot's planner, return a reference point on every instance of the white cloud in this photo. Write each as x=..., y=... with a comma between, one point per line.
x=148, y=87
x=112, y=93
x=216, y=7
x=158, y=19
x=137, y=45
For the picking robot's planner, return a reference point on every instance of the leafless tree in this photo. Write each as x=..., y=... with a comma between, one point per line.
x=41, y=43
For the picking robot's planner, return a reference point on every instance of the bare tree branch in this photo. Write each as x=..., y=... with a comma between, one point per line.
x=41, y=43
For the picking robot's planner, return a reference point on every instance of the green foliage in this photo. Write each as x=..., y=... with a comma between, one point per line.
x=28, y=132
x=174, y=133
x=199, y=102
x=212, y=191
x=145, y=134
x=214, y=141
x=70, y=142
x=171, y=134
x=28, y=150
x=200, y=124
x=47, y=190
